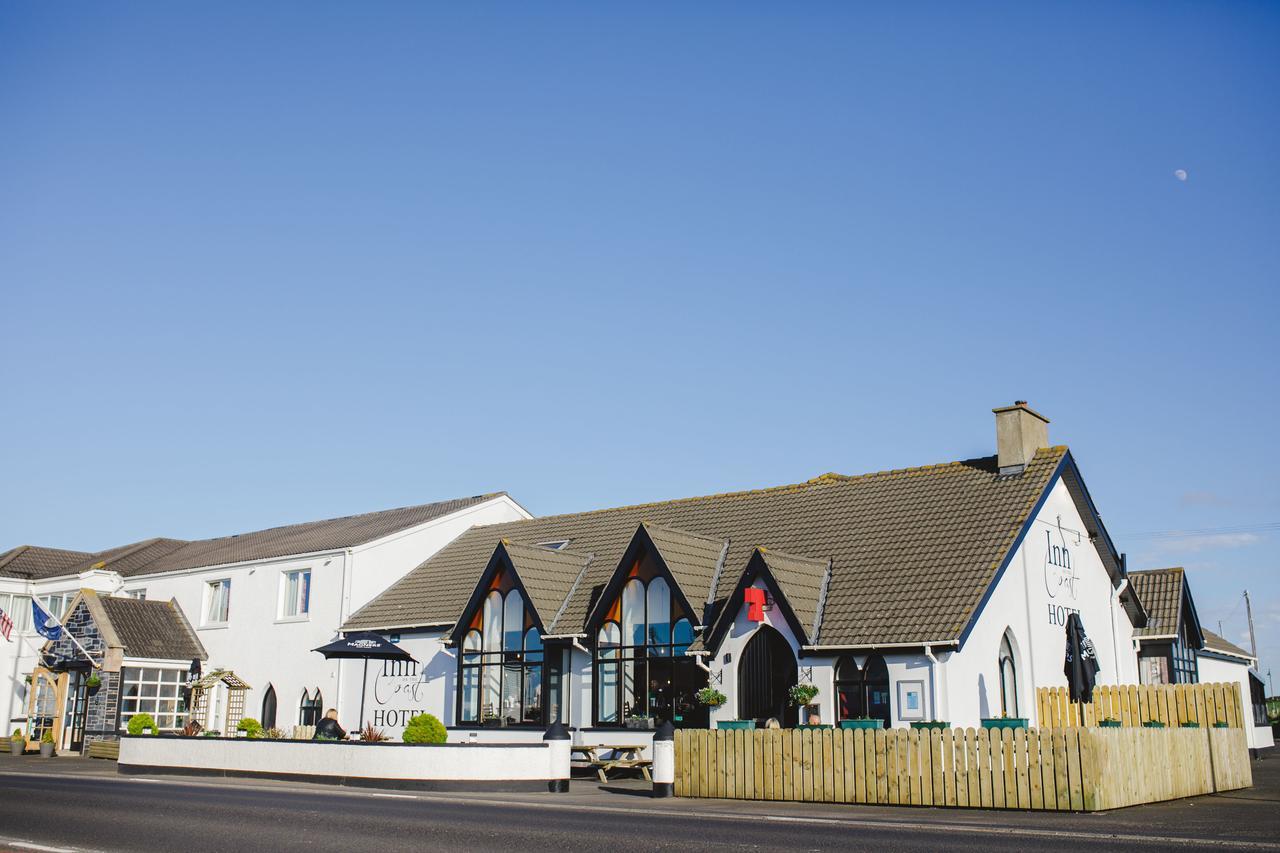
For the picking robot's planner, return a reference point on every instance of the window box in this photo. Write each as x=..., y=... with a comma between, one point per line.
x=1110, y=724
x=1004, y=723
x=815, y=726
x=732, y=725
x=1221, y=725
x=1189, y=724
x=877, y=723
x=932, y=724
x=1153, y=724
x=639, y=722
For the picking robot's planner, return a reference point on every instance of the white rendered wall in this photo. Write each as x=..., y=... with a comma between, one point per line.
x=395, y=691
x=1031, y=604
x=1237, y=672
x=508, y=762
x=379, y=564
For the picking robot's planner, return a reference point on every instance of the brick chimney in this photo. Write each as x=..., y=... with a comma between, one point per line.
x=1020, y=432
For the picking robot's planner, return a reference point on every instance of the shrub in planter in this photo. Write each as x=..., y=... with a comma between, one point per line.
x=802, y=694
x=139, y=723
x=17, y=743
x=46, y=744
x=639, y=721
x=371, y=735
x=274, y=734
x=251, y=727
x=711, y=697
x=424, y=728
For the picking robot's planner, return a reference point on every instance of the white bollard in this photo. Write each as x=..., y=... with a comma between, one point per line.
x=664, y=760
x=560, y=755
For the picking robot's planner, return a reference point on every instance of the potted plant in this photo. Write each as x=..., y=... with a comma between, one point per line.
x=1189, y=724
x=1153, y=724
x=638, y=721
x=862, y=723
x=93, y=682
x=249, y=728
x=371, y=735
x=1004, y=722
x=711, y=697
x=1222, y=724
x=1110, y=723
x=17, y=743
x=931, y=724
x=46, y=744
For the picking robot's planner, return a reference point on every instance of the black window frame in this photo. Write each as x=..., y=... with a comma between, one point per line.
x=522, y=663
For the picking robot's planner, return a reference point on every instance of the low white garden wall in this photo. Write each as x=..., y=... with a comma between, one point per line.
x=448, y=765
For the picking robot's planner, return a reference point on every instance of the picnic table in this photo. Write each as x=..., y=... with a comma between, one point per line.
x=626, y=756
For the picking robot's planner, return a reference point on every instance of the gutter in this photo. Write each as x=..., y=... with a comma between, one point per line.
x=950, y=644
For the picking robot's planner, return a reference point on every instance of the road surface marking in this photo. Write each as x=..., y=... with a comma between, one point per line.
x=42, y=848
x=395, y=796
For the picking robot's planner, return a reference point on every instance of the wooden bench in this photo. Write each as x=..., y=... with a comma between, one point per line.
x=108, y=749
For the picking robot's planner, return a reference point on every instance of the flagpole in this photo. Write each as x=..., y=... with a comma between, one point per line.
x=50, y=617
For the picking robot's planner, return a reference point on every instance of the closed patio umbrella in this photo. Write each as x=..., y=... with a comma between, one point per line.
x=1081, y=666
x=366, y=645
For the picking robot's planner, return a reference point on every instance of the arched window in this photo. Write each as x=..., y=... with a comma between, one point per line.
x=642, y=672
x=269, y=708
x=1008, y=679
x=500, y=678
x=311, y=709
x=875, y=678
x=851, y=700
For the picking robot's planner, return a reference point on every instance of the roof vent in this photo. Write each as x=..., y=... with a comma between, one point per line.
x=1020, y=432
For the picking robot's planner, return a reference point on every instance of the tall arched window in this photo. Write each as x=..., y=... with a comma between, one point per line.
x=641, y=671
x=500, y=679
x=311, y=709
x=1008, y=679
x=269, y=708
x=864, y=693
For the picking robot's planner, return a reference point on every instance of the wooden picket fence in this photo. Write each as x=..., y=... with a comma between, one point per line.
x=1057, y=770
x=1135, y=704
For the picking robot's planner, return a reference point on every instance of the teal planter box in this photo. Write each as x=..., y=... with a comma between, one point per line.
x=933, y=724
x=815, y=726
x=862, y=724
x=730, y=725
x=1110, y=724
x=1153, y=724
x=1221, y=726
x=1189, y=725
x=1005, y=723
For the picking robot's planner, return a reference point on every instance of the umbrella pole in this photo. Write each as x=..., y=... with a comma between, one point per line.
x=363, y=682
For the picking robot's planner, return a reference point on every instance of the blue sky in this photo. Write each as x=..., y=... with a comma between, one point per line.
x=262, y=265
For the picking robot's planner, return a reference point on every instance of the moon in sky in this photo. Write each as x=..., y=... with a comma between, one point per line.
x=1180, y=174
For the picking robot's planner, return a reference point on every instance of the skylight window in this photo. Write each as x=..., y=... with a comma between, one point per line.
x=557, y=545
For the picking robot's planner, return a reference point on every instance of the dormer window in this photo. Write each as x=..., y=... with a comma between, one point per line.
x=642, y=673
x=501, y=663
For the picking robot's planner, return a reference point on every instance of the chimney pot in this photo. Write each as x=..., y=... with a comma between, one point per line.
x=1020, y=432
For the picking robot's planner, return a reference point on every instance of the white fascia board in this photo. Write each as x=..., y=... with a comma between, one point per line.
x=430, y=627
x=873, y=646
x=161, y=663
x=60, y=583
x=436, y=522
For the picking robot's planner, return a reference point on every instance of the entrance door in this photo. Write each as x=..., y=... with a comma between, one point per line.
x=766, y=675
x=77, y=704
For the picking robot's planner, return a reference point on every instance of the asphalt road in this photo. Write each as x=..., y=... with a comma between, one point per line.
x=106, y=813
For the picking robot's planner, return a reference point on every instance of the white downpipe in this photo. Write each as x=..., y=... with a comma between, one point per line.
x=933, y=683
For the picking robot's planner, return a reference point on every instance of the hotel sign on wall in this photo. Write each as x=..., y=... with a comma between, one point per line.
x=1061, y=581
x=397, y=694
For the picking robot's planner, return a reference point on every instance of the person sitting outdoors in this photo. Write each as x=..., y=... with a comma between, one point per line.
x=328, y=728
x=772, y=723
x=815, y=719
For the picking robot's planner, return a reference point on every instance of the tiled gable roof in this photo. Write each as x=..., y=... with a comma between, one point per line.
x=152, y=629
x=1216, y=643
x=912, y=551
x=1160, y=591
x=33, y=562
x=153, y=556
x=801, y=581
x=547, y=576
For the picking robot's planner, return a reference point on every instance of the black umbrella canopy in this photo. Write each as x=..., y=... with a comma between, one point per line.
x=363, y=644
